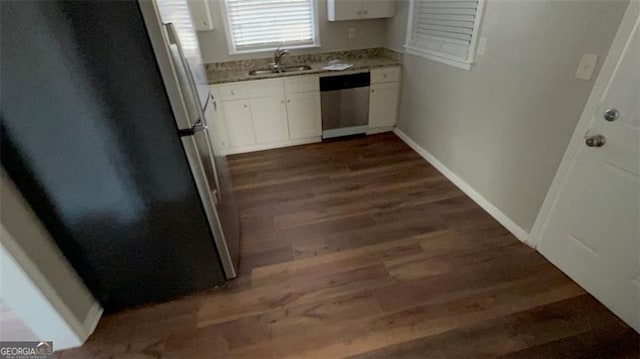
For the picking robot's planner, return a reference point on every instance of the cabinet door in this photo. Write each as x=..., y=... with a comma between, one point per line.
x=344, y=9
x=269, y=119
x=237, y=117
x=373, y=9
x=303, y=110
x=383, y=104
x=217, y=127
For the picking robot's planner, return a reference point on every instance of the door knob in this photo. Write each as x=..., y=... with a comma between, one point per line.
x=611, y=114
x=595, y=140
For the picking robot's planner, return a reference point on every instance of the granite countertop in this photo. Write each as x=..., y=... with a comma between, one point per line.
x=361, y=59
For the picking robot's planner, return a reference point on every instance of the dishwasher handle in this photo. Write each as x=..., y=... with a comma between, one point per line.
x=342, y=82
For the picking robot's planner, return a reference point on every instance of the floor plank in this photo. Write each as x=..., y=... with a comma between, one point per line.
x=361, y=248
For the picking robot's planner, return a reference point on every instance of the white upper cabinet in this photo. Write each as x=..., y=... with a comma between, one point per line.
x=339, y=10
x=374, y=9
x=201, y=15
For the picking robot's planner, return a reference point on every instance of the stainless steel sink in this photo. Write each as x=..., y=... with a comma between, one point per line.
x=263, y=72
x=295, y=68
x=279, y=70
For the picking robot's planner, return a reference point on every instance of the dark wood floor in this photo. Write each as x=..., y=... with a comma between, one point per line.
x=361, y=248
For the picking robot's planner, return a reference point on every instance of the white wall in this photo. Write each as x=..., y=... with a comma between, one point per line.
x=504, y=125
x=397, y=27
x=37, y=282
x=333, y=36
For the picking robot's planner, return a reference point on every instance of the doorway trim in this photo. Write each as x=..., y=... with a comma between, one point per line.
x=31, y=277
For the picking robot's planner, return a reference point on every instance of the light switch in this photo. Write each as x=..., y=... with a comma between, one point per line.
x=586, y=66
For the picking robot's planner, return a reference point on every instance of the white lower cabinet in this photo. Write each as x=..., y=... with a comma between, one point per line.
x=303, y=110
x=263, y=114
x=269, y=119
x=270, y=113
x=383, y=104
x=237, y=117
x=383, y=98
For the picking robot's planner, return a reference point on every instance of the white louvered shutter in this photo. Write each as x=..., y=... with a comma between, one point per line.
x=444, y=28
x=267, y=24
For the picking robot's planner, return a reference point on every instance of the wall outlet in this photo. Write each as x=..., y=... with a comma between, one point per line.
x=352, y=32
x=586, y=66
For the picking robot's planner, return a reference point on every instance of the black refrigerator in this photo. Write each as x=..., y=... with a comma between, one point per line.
x=105, y=133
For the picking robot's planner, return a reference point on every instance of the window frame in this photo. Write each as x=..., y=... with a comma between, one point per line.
x=442, y=57
x=231, y=45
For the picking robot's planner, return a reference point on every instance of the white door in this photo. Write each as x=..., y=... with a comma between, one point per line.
x=269, y=119
x=383, y=104
x=303, y=110
x=593, y=229
x=237, y=117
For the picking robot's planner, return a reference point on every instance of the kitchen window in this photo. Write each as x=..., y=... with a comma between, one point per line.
x=262, y=25
x=444, y=30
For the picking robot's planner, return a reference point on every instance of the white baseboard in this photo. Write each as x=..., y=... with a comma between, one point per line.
x=499, y=216
x=373, y=131
x=92, y=319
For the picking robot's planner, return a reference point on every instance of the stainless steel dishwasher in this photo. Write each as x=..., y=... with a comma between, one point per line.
x=345, y=104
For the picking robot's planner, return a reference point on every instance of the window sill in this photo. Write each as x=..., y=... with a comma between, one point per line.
x=427, y=55
x=271, y=49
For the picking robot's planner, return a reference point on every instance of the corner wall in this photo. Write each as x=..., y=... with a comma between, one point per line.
x=503, y=126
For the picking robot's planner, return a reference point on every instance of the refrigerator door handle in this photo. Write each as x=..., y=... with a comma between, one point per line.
x=199, y=126
x=174, y=40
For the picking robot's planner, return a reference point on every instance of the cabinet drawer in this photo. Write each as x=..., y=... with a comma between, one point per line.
x=302, y=84
x=233, y=91
x=386, y=74
x=265, y=88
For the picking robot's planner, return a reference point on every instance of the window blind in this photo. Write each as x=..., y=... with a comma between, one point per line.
x=266, y=24
x=178, y=13
x=444, y=28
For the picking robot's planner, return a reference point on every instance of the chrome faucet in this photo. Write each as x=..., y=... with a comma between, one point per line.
x=277, y=56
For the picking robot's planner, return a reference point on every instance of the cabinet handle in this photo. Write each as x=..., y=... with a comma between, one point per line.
x=359, y=12
x=233, y=92
x=245, y=106
x=288, y=101
x=372, y=90
x=366, y=12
